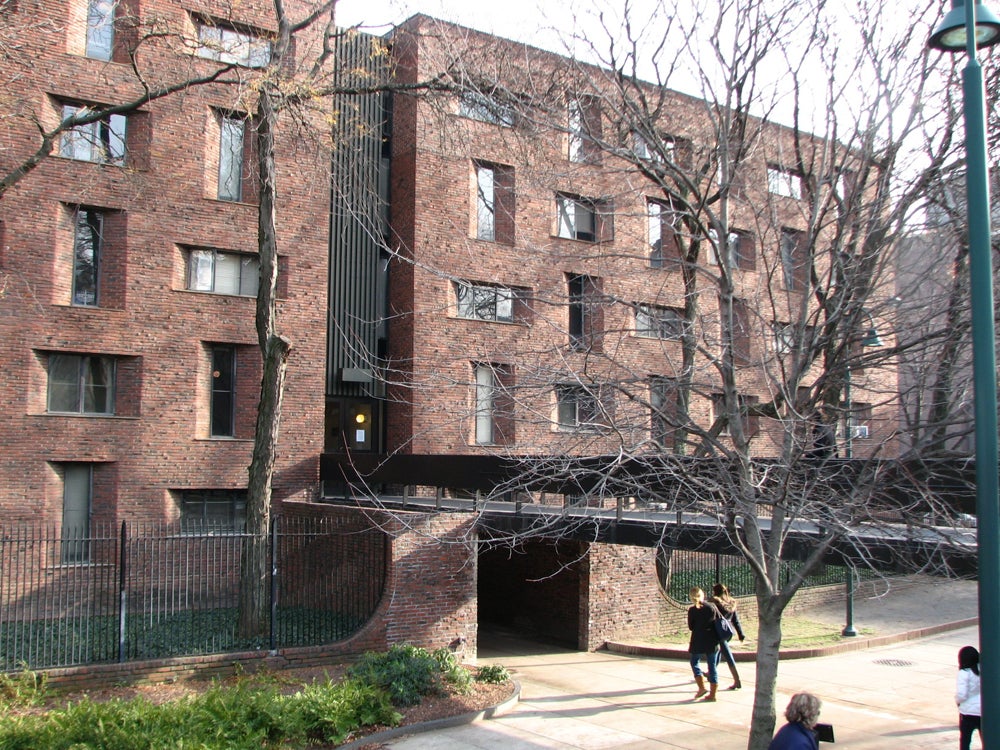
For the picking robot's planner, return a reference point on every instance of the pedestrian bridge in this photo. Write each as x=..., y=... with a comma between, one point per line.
x=576, y=501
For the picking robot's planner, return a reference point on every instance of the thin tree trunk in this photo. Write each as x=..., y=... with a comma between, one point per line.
x=254, y=602
x=768, y=645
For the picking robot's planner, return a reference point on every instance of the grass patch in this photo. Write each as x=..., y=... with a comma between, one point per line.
x=796, y=632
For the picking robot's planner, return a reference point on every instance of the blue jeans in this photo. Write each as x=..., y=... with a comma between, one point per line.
x=712, y=660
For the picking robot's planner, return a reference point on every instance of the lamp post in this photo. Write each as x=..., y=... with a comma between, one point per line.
x=960, y=29
x=871, y=338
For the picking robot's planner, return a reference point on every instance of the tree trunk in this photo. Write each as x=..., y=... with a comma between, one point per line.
x=254, y=609
x=768, y=645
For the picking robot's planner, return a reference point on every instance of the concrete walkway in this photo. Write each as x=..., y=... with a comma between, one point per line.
x=881, y=697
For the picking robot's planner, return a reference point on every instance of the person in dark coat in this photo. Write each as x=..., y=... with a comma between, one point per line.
x=802, y=714
x=704, y=642
x=727, y=609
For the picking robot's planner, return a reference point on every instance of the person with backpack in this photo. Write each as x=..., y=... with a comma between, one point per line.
x=726, y=605
x=704, y=642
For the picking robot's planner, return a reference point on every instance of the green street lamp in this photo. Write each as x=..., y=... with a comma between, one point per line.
x=967, y=26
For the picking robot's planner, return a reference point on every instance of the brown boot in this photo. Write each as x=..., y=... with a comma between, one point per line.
x=701, y=687
x=711, y=693
x=736, y=678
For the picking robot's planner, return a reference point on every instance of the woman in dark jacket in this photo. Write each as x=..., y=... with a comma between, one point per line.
x=727, y=608
x=802, y=714
x=704, y=642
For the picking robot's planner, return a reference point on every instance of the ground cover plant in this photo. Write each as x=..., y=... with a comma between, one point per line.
x=252, y=711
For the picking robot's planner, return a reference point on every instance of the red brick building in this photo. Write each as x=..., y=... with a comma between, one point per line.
x=517, y=297
x=129, y=267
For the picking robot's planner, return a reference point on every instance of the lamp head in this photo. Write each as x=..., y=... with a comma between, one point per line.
x=950, y=34
x=872, y=338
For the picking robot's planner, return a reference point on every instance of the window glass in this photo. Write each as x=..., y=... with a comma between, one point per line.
x=223, y=273
x=81, y=384
x=88, y=226
x=77, y=491
x=223, y=407
x=231, y=160
x=652, y=321
x=98, y=385
x=213, y=511
x=783, y=182
x=485, y=302
x=228, y=45
x=102, y=141
x=479, y=106
x=485, y=203
x=577, y=219
x=100, y=29
x=485, y=391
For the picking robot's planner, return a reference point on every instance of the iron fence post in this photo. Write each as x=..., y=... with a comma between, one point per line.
x=274, y=583
x=122, y=570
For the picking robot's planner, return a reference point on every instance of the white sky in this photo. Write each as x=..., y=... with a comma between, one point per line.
x=549, y=24
x=512, y=19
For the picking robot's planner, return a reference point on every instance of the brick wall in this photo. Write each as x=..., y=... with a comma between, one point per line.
x=163, y=200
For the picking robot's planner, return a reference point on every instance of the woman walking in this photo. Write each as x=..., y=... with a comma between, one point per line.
x=704, y=642
x=727, y=609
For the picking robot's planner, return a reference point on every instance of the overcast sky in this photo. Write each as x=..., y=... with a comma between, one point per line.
x=513, y=19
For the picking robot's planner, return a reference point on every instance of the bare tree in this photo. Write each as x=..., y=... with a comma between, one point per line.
x=771, y=222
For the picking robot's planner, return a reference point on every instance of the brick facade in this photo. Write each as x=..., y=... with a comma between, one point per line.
x=157, y=207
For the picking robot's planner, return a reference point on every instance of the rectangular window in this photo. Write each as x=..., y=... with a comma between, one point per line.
x=87, y=246
x=494, y=406
x=227, y=45
x=78, y=490
x=664, y=233
x=223, y=273
x=100, y=29
x=494, y=203
x=585, y=312
x=665, y=149
x=213, y=511
x=784, y=182
x=584, y=130
x=784, y=337
x=223, y=392
x=656, y=322
x=102, y=141
x=578, y=408
x=81, y=384
x=231, y=149
x=663, y=411
x=793, y=259
x=478, y=106
x=739, y=249
x=487, y=302
x=486, y=387
x=584, y=219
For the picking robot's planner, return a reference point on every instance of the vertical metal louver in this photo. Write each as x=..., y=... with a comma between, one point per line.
x=359, y=221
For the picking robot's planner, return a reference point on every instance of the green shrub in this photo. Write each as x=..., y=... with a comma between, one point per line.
x=330, y=712
x=493, y=674
x=407, y=673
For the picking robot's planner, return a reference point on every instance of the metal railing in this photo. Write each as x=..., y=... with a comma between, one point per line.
x=680, y=569
x=155, y=591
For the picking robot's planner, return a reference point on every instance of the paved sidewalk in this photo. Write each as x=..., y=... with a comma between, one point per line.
x=886, y=697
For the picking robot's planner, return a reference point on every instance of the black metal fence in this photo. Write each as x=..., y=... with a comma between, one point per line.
x=679, y=570
x=154, y=591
